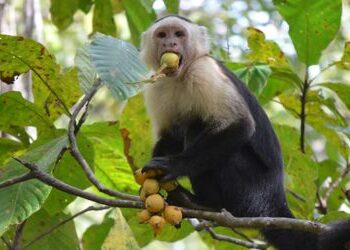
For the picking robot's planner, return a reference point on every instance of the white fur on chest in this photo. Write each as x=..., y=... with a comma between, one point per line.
x=204, y=92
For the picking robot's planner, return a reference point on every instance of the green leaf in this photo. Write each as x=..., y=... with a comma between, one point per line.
x=70, y=172
x=117, y=63
x=62, y=238
x=103, y=20
x=301, y=173
x=19, y=55
x=85, y=5
x=95, y=235
x=342, y=90
x=334, y=216
x=17, y=111
x=255, y=76
x=140, y=16
x=62, y=12
x=65, y=84
x=120, y=234
x=264, y=51
x=19, y=201
x=111, y=166
x=312, y=25
x=136, y=131
x=8, y=148
x=172, y=6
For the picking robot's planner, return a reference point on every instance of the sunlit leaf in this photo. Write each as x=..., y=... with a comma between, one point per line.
x=334, y=216
x=342, y=90
x=136, y=131
x=264, y=51
x=312, y=25
x=120, y=236
x=117, y=63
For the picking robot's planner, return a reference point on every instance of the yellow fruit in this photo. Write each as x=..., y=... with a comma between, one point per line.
x=157, y=223
x=143, y=216
x=143, y=194
x=171, y=60
x=169, y=186
x=173, y=215
x=139, y=177
x=151, y=186
x=154, y=203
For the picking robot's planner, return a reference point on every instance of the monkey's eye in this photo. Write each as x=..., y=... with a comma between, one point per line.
x=161, y=34
x=179, y=33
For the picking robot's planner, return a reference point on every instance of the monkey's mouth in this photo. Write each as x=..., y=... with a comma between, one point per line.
x=173, y=71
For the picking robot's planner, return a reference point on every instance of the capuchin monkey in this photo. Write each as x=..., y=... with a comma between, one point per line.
x=209, y=127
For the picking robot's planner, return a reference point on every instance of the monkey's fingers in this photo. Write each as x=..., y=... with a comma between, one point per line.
x=160, y=164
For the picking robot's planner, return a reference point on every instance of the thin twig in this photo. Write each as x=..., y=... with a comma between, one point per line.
x=236, y=241
x=6, y=242
x=303, y=100
x=18, y=235
x=53, y=182
x=75, y=152
x=16, y=180
x=322, y=71
x=50, y=230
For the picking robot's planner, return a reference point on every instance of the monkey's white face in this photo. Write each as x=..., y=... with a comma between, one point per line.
x=171, y=38
x=175, y=35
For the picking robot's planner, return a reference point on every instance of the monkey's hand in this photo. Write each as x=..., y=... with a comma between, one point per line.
x=163, y=165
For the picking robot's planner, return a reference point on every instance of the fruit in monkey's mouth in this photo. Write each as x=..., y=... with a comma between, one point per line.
x=170, y=59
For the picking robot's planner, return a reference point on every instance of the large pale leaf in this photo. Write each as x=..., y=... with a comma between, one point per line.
x=312, y=25
x=62, y=238
x=86, y=71
x=17, y=111
x=62, y=12
x=103, y=20
x=18, y=202
x=118, y=64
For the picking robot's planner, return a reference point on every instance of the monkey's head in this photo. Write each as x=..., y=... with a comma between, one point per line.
x=174, y=34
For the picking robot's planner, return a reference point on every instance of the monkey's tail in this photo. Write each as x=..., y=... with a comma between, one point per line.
x=337, y=237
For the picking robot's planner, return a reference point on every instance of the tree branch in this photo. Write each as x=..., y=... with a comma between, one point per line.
x=17, y=238
x=223, y=218
x=75, y=152
x=236, y=241
x=53, y=182
x=16, y=180
x=50, y=230
x=303, y=100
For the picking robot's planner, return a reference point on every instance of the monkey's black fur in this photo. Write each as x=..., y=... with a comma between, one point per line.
x=239, y=169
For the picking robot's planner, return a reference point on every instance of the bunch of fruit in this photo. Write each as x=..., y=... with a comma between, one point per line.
x=157, y=212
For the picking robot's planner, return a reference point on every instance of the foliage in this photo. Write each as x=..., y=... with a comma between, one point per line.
x=303, y=110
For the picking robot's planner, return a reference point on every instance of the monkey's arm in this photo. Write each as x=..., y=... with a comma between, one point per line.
x=203, y=154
